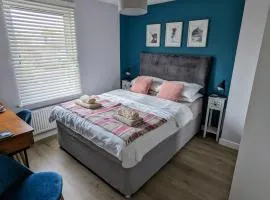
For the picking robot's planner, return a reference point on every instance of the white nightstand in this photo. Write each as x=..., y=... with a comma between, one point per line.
x=218, y=104
x=126, y=84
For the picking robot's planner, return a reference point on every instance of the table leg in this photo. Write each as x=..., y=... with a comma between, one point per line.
x=18, y=158
x=26, y=158
x=21, y=157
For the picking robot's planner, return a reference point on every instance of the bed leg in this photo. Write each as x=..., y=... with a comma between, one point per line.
x=127, y=196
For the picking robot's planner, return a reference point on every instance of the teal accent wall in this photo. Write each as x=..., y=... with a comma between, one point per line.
x=224, y=26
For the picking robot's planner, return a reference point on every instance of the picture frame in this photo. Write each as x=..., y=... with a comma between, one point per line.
x=173, y=37
x=153, y=35
x=198, y=33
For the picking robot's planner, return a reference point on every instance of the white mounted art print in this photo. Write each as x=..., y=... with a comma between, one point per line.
x=173, y=34
x=153, y=35
x=197, y=33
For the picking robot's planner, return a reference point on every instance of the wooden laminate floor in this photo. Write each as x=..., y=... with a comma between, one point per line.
x=203, y=170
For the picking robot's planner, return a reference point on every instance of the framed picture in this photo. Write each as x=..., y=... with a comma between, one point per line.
x=173, y=34
x=153, y=35
x=197, y=33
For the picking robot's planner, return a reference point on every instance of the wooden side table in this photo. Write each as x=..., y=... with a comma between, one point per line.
x=22, y=138
x=218, y=104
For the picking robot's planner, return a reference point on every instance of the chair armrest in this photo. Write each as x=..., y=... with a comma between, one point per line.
x=41, y=186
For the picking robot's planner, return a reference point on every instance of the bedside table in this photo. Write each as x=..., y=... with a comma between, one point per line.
x=126, y=85
x=214, y=103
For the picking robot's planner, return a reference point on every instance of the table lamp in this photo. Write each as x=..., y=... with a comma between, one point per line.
x=128, y=74
x=222, y=87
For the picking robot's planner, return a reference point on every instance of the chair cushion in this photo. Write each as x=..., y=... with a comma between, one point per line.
x=39, y=186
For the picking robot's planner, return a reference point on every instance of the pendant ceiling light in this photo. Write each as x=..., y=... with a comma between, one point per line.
x=133, y=7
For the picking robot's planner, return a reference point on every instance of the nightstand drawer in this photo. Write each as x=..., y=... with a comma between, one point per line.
x=215, y=104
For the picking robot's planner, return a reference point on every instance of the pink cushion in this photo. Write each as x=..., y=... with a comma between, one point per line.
x=142, y=85
x=171, y=91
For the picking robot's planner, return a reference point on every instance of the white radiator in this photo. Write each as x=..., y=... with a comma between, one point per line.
x=40, y=120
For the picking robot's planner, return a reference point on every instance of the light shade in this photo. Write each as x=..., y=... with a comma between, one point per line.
x=133, y=7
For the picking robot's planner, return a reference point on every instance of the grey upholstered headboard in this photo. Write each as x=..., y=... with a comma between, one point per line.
x=173, y=67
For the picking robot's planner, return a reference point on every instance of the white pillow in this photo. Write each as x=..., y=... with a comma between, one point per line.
x=191, y=100
x=190, y=89
x=156, y=83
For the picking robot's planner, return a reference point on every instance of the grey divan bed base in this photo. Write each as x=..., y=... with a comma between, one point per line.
x=193, y=69
x=126, y=180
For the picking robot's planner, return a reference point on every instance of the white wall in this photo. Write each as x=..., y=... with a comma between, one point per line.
x=8, y=89
x=252, y=175
x=250, y=39
x=98, y=39
x=98, y=34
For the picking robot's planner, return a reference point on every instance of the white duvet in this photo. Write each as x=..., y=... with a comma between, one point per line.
x=178, y=115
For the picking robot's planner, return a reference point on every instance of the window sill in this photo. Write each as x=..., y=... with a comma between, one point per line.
x=50, y=102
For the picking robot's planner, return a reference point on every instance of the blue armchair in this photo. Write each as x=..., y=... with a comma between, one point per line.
x=25, y=115
x=19, y=183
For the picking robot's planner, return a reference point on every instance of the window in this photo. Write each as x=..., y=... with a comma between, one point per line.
x=43, y=50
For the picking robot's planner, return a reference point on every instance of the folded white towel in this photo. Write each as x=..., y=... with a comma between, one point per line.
x=87, y=99
x=91, y=101
x=128, y=121
x=87, y=105
x=84, y=98
x=128, y=113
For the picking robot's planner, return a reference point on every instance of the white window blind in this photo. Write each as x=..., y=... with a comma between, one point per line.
x=43, y=49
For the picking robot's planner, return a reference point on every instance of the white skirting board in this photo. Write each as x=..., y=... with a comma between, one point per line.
x=228, y=143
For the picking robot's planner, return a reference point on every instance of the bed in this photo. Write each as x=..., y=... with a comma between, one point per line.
x=128, y=173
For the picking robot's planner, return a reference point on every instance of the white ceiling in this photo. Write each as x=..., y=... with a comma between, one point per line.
x=150, y=2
